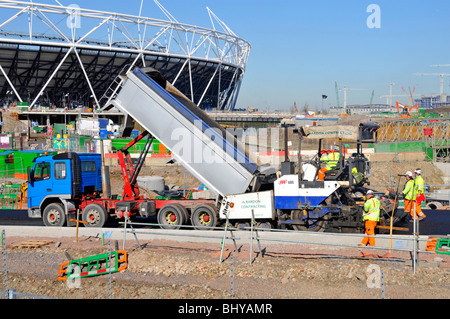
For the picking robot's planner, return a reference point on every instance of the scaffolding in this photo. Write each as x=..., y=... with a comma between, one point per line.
x=433, y=133
x=417, y=129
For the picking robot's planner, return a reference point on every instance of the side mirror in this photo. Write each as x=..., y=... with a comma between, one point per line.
x=29, y=176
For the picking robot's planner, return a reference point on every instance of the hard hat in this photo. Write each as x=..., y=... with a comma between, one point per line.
x=370, y=192
x=408, y=173
x=418, y=171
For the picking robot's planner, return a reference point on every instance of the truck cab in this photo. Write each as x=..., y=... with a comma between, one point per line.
x=58, y=180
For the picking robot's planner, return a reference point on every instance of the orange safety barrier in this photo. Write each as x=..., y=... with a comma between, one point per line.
x=431, y=244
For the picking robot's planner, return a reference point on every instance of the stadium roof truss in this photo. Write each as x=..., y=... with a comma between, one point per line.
x=70, y=53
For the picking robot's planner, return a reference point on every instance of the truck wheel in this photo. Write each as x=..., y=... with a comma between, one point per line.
x=54, y=215
x=94, y=215
x=184, y=213
x=171, y=216
x=204, y=216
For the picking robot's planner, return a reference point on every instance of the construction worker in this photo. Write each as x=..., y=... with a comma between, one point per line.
x=408, y=193
x=331, y=159
x=357, y=175
x=371, y=217
x=419, y=190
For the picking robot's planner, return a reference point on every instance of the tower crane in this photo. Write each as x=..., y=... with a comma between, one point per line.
x=442, y=75
x=346, y=89
x=371, y=98
x=295, y=108
x=337, y=94
x=410, y=96
x=389, y=98
x=390, y=93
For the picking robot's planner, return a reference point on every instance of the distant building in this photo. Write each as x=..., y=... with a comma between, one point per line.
x=433, y=101
x=364, y=109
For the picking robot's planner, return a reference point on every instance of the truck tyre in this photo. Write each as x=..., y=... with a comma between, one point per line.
x=94, y=215
x=184, y=213
x=54, y=215
x=204, y=216
x=171, y=216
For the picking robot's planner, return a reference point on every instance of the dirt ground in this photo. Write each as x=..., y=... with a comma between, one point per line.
x=180, y=271
x=171, y=270
x=386, y=173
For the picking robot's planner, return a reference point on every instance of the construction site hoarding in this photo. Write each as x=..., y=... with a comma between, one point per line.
x=345, y=132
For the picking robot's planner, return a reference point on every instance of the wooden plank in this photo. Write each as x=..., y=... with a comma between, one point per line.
x=393, y=228
x=33, y=244
x=79, y=221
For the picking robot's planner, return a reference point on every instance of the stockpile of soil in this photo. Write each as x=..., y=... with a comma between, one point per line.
x=386, y=173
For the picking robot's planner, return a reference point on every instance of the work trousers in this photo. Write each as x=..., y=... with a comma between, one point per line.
x=419, y=212
x=370, y=230
x=321, y=174
x=409, y=208
x=409, y=205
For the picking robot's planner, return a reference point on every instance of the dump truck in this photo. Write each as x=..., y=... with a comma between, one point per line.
x=62, y=186
x=288, y=198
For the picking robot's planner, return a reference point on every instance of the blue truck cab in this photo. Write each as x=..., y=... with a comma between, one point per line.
x=56, y=182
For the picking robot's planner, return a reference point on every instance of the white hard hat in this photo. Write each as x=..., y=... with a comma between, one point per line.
x=370, y=192
x=418, y=171
x=408, y=173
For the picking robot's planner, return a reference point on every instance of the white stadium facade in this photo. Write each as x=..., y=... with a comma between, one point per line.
x=57, y=56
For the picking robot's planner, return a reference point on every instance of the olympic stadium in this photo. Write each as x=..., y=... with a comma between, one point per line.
x=57, y=56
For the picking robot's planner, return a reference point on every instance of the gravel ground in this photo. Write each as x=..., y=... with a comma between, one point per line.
x=173, y=270
x=177, y=271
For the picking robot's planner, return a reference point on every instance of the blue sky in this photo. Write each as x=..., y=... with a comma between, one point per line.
x=300, y=48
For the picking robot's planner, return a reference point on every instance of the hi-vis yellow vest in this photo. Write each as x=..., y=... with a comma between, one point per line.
x=408, y=191
x=419, y=186
x=331, y=160
x=372, y=210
